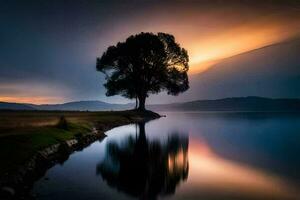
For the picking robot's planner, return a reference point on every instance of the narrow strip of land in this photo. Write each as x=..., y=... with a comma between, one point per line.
x=25, y=133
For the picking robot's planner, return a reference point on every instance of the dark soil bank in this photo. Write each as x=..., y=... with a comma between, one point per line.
x=18, y=183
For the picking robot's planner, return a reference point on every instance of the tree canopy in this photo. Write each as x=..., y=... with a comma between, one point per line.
x=144, y=64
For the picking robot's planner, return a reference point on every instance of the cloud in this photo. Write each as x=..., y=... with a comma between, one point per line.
x=56, y=42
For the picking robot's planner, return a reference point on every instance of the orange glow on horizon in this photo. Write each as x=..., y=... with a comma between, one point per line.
x=32, y=93
x=31, y=100
x=210, y=173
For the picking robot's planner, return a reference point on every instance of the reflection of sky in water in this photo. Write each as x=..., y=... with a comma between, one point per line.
x=211, y=176
x=270, y=141
x=231, y=155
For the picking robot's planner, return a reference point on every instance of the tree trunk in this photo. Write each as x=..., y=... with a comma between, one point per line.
x=142, y=100
x=142, y=132
x=136, y=102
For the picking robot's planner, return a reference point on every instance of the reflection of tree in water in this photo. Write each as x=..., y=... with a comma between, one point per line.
x=143, y=168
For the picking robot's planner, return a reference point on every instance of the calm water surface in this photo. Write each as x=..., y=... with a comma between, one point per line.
x=185, y=156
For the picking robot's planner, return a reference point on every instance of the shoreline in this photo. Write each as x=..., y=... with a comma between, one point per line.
x=18, y=185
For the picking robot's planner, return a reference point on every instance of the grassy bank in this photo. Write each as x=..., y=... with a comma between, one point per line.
x=24, y=133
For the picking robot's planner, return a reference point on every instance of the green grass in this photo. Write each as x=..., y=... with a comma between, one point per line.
x=17, y=148
x=23, y=133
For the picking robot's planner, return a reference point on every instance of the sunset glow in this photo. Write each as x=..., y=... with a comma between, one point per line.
x=31, y=99
x=211, y=32
x=31, y=93
x=206, y=51
x=150, y=99
x=209, y=172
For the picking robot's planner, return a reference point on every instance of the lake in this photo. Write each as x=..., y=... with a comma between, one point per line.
x=185, y=156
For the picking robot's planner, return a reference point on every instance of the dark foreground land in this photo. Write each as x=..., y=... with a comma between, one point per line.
x=29, y=139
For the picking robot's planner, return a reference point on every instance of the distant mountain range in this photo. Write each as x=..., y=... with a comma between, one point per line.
x=76, y=106
x=233, y=104
x=15, y=106
x=84, y=105
x=227, y=104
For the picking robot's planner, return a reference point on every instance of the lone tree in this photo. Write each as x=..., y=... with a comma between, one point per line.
x=144, y=64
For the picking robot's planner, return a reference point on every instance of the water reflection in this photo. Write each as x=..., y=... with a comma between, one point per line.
x=214, y=177
x=225, y=156
x=146, y=168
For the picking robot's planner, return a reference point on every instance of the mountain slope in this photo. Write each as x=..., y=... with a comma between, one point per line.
x=253, y=104
x=84, y=105
x=76, y=106
x=15, y=106
x=227, y=104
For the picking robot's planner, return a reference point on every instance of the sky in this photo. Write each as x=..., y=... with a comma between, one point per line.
x=49, y=48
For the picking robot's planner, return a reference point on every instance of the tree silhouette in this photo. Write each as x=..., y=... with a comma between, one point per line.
x=145, y=64
x=143, y=168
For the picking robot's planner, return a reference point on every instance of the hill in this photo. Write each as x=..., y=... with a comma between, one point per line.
x=253, y=104
x=75, y=106
x=15, y=106
x=84, y=105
